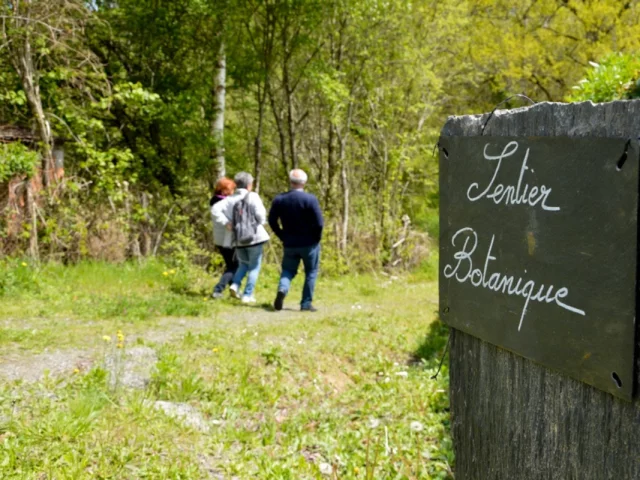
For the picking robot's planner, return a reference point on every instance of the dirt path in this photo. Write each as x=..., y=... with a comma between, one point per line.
x=140, y=360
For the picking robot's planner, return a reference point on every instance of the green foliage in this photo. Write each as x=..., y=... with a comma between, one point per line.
x=616, y=77
x=16, y=160
x=354, y=92
x=173, y=380
x=272, y=356
x=17, y=277
x=67, y=430
x=427, y=271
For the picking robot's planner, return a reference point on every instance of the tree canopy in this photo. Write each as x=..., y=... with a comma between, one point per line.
x=353, y=91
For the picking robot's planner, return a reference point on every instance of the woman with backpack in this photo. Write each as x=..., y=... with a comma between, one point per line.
x=224, y=188
x=244, y=215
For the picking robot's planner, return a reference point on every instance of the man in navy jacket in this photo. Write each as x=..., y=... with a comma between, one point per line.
x=296, y=219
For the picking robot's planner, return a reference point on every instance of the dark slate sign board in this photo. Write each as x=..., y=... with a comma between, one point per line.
x=538, y=250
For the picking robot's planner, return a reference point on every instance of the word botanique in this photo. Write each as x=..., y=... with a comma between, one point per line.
x=463, y=271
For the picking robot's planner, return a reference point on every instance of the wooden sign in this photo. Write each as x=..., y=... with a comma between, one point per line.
x=538, y=250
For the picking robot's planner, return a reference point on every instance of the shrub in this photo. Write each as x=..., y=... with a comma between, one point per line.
x=16, y=160
x=616, y=77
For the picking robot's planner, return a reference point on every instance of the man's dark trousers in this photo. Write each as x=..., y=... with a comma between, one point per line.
x=231, y=265
x=310, y=257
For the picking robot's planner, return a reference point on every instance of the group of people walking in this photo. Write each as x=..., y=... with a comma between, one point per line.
x=239, y=219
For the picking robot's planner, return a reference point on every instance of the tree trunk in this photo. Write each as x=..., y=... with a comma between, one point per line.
x=145, y=230
x=288, y=96
x=281, y=136
x=345, y=208
x=384, y=196
x=22, y=58
x=33, y=218
x=331, y=168
x=512, y=418
x=257, y=159
x=336, y=57
x=344, y=178
x=217, y=128
x=291, y=123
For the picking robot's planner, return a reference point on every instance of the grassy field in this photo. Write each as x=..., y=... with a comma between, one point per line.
x=131, y=371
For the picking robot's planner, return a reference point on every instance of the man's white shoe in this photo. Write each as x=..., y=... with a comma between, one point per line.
x=233, y=289
x=246, y=299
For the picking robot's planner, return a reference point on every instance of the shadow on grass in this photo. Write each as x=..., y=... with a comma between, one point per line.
x=267, y=307
x=433, y=346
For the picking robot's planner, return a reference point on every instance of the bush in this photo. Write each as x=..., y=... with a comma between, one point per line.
x=617, y=77
x=16, y=160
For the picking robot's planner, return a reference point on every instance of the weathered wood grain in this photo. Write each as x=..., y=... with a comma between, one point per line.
x=513, y=419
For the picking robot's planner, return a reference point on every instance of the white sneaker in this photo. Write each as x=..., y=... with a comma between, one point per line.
x=216, y=295
x=233, y=290
x=247, y=299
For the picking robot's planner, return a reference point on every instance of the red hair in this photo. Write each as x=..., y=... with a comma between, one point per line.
x=225, y=187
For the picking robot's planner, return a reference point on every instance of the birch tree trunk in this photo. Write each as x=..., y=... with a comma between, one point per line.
x=217, y=129
x=21, y=54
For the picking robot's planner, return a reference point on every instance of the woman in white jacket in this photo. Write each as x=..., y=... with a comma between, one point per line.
x=249, y=256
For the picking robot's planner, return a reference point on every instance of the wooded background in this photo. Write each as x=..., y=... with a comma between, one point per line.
x=153, y=100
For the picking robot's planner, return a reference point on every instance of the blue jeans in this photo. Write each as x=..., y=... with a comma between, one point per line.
x=310, y=257
x=250, y=260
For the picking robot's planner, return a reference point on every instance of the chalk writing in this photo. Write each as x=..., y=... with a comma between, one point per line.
x=511, y=194
x=463, y=270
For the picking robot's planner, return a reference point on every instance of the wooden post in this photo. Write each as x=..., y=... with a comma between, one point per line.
x=513, y=419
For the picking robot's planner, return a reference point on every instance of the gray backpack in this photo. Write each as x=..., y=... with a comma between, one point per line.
x=245, y=223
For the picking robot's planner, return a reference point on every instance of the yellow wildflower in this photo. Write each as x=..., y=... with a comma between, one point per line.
x=106, y=338
x=172, y=272
x=356, y=470
x=205, y=299
x=121, y=345
x=24, y=264
x=165, y=273
x=76, y=371
x=214, y=350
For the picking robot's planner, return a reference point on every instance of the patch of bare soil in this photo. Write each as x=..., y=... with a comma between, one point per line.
x=33, y=368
